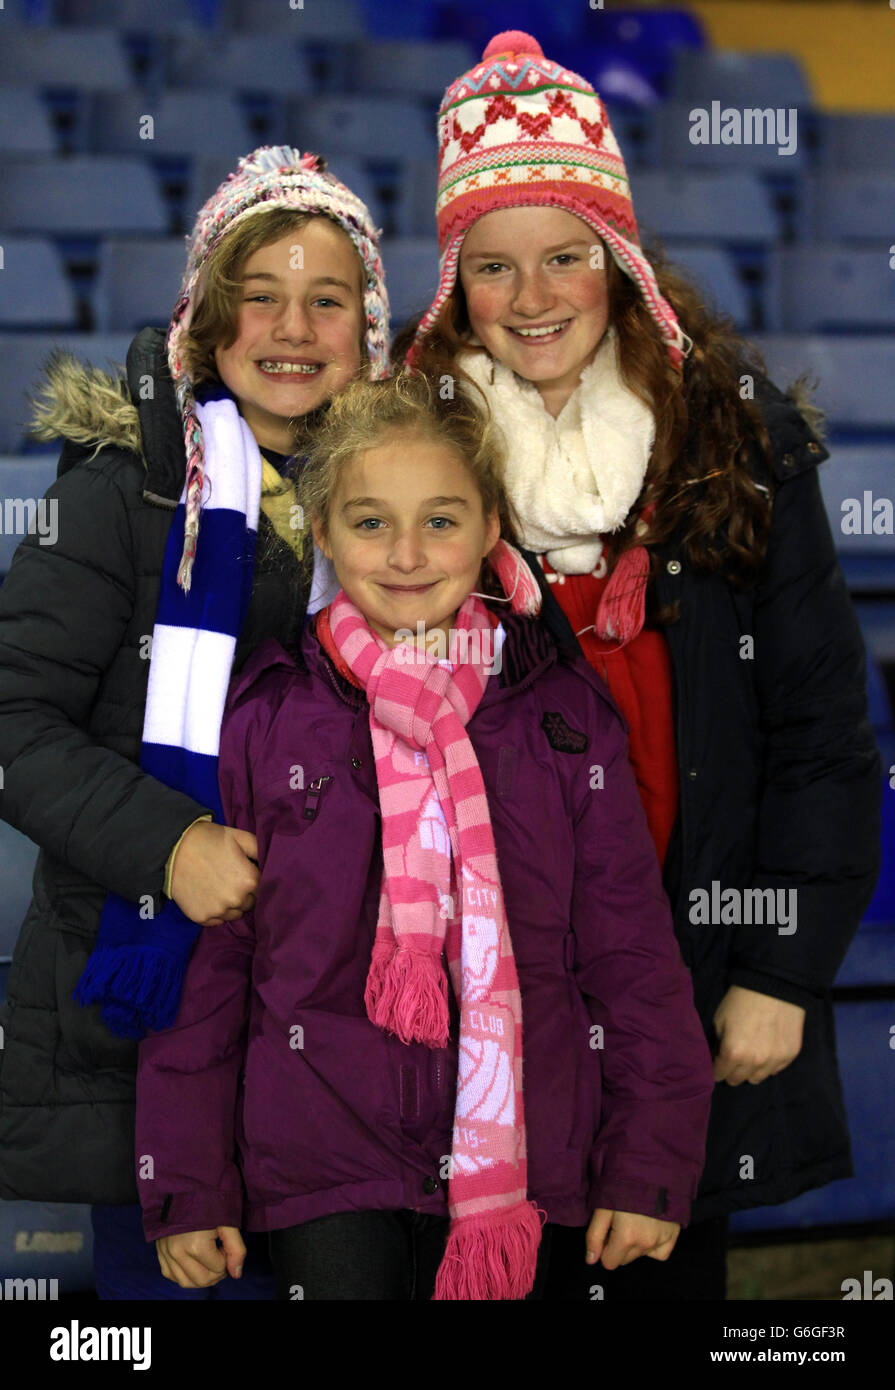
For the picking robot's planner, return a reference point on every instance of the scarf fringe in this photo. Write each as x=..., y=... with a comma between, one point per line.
x=492, y=1257
x=621, y=612
x=407, y=994
x=138, y=989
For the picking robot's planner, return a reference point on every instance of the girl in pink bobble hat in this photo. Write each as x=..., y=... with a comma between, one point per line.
x=669, y=492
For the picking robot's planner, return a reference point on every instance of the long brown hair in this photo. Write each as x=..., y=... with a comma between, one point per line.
x=698, y=474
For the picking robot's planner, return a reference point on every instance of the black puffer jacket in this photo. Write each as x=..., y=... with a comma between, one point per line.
x=73, y=622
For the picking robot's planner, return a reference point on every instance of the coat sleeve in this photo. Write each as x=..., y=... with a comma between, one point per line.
x=64, y=611
x=188, y=1076
x=656, y=1070
x=819, y=819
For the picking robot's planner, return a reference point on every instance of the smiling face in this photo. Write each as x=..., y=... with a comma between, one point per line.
x=407, y=534
x=534, y=300
x=298, y=329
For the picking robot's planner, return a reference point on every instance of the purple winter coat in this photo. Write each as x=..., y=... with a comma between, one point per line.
x=274, y=1100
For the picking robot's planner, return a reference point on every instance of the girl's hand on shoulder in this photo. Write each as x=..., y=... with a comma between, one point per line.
x=193, y=1260
x=631, y=1235
x=758, y=1036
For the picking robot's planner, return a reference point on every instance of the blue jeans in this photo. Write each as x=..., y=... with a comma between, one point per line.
x=364, y=1255
x=125, y=1263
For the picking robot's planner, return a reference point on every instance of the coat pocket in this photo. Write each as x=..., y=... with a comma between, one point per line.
x=85, y=1042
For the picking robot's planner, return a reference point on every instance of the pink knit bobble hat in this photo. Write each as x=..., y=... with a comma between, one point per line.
x=271, y=176
x=521, y=131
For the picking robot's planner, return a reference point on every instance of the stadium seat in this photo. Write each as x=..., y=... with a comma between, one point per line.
x=183, y=123
x=34, y=290
x=309, y=20
x=18, y=856
x=395, y=19
x=854, y=375
x=673, y=145
x=84, y=195
x=264, y=63
x=738, y=79
x=411, y=274
x=138, y=282
x=136, y=16
x=852, y=206
x=865, y=1060
x=726, y=207
x=415, y=209
x=829, y=289
x=370, y=128
x=712, y=269
x=51, y=1241
x=75, y=58
x=867, y=558
x=23, y=356
x=407, y=69
x=25, y=125
x=858, y=141
x=877, y=619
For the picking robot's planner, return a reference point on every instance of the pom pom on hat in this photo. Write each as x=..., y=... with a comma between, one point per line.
x=512, y=41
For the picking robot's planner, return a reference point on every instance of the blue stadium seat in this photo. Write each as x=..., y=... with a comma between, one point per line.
x=25, y=126
x=851, y=471
x=858, y=141
x=42, y=1240
x=415, y=210
x=829, y=289
x=135, y=16
x=23, y=482
x=854, y=374
x=877, y=619
x=264, y=63
x=23, y=356
x=336, y=20
x=408, y=69
x=673, y=145
x=368, y=127
x=395, y=19
x=74, y=58
x=411, y=273
x=865, y=1059
x=726, y=207
x=34, y=290
x=355, y=176
x=18, y=857
x=138, y=282
x=852, y=206
x=712, y=269
x=739, y=79
x=183, y=123
x=83, y=195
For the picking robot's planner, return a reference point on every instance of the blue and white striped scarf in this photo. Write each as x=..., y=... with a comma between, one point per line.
x=137, y=968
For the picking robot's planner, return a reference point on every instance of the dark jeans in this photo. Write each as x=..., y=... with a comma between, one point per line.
x=695, y=1269
x=125, y=1264
x=364, y=1255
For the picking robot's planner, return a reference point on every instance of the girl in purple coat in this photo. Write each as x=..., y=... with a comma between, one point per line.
x=456, y=1015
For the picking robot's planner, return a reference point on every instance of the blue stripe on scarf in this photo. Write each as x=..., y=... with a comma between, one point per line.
x=137, y=969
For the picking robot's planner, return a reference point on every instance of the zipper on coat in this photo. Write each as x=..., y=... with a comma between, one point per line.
x=315, y=792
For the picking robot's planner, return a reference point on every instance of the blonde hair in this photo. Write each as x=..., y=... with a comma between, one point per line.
x=215, y=321
x=367, y=413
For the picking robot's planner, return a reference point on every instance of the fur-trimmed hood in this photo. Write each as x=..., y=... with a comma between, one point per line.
x=85, y=405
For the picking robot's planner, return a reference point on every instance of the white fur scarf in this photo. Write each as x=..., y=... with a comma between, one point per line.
x=574, y=478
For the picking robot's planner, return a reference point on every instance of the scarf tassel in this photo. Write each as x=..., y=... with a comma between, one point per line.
x=620, y=614
x=491, y=1258
x=138, y=989
x=406, y=994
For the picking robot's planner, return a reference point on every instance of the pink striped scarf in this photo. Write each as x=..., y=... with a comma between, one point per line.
x=436, y=835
